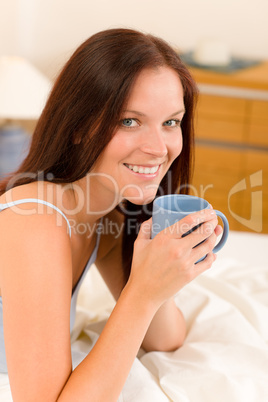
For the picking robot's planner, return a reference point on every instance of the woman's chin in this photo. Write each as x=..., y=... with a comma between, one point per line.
x=141, y=200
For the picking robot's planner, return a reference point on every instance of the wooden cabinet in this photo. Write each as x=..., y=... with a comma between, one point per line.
x=220, y=118
x=231, y=163
x=258, y=123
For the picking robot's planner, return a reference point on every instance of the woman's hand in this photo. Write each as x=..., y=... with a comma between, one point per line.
x=164, y=265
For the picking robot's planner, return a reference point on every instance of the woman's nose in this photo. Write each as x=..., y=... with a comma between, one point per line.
x=153, y=143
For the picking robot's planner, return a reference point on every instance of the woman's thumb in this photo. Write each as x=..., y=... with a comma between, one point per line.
x=145, y=230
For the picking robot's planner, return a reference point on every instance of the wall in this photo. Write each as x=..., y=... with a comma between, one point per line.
x=47, y=31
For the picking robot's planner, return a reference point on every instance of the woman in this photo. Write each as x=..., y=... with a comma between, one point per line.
x=117, y=131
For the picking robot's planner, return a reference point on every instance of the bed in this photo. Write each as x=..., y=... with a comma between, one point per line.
x=225, y=355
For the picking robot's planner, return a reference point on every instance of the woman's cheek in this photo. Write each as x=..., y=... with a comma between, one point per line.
x=175, y=146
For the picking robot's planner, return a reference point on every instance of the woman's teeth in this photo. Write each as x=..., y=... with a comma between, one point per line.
x=142, y=170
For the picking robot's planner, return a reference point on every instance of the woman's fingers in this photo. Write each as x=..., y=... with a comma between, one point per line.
x=204, y=248
x=218, y=230
x=168, y=262
x=205, y=264
x=196, y=234
x=201, y=223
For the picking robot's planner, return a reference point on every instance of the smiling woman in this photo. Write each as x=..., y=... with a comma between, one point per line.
x=147, y=141
x=116, y=132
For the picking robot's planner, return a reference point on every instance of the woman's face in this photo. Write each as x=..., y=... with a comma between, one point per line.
x=147, y=140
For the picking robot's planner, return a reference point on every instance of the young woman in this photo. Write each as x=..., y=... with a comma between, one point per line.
x=116, y=132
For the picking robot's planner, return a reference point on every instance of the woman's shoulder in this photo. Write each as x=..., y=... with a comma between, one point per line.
x=31, y=204
x=35, y=190
x=30, y=237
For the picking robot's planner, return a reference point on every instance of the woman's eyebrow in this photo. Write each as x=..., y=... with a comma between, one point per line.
x=134, y=112
x=179, y=112
x=142, y=114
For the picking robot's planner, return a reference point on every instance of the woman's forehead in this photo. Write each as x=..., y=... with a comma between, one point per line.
x=156, y=86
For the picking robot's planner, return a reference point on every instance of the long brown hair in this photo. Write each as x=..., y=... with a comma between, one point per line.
x=83, y=110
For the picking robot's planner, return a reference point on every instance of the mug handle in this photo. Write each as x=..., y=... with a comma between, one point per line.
x=225, y=232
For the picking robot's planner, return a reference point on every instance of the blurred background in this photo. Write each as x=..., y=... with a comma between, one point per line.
x=225, y=44
x=46, y=32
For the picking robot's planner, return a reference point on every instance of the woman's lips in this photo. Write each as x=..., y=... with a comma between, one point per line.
x=149, y=171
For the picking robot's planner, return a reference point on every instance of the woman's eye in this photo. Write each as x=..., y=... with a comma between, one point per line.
x=129, y=123
x=172, y=123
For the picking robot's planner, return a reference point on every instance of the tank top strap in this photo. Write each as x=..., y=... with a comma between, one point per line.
x=35, y=200
x=99, y=232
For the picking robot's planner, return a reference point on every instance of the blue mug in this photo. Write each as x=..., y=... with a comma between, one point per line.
x=171, y=208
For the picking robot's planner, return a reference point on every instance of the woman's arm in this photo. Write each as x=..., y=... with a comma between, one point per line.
x=36, y=285
x=36, y=289
x=102, y=374
x=153, y=280
x=167, y=329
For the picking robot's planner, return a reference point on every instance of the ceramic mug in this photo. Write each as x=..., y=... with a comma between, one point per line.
x=171, y=208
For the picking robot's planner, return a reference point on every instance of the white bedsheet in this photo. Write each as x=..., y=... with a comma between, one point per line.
x=225, y=355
